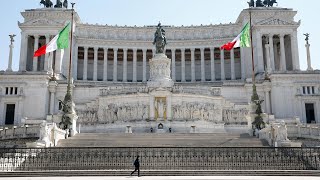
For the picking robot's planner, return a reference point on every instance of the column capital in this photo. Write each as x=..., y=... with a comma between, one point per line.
x=173, y=50
x=47, y=36
x=95, y=48
x=183, y=49
x=125, y=49
x=134, y=49
x=144, y=50
x=192, y=49
x=282, y=35
x=115, y=49
x=202, y=49
x=212, y=48
x=85, y=48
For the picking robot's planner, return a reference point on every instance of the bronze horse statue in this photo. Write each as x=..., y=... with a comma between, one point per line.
x=269, y=3
x=160, y=39
x=46, y=3
x=58, y=4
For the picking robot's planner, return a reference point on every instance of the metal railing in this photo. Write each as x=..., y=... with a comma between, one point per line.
x=70, y=159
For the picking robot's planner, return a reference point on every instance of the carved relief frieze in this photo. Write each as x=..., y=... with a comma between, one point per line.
x=235, y=116
x=197, y=111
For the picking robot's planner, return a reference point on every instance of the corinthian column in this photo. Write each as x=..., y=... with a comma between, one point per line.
x=36, y=47
x=223, y=75
x=233, y=74
x=283, y=66
x=173, y=52
x=134, y=71
x=183, y=65
x=115, y=64
x=203, y=73
x=193, y=66
x=125, y=65
x=95, y=64
x=85, y=64
x=144, y=78
x=213, y=74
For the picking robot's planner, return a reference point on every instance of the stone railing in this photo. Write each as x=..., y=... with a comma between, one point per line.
x=304, y=131
x=15, y=132
x=48, y=133
x=277, y=132
x=199, y=90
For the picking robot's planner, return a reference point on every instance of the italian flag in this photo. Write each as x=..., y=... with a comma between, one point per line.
x=60, y=41
x=242, y=40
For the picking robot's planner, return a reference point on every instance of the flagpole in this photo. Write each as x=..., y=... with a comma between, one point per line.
x=254, y=88
x=69, y=114
x=71, y=43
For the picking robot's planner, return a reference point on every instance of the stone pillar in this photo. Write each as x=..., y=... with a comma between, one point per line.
x=213, y=73
x=233, y=74
x=267, y=100
x=52, y=90
x=173, y=52
x=223, y=76
x=283, y=66
x=134, y=71
x=9, y=69
x=259, y=62
x=169, y=108
x=269, y=69
x=23, y=52
x=85, y=64
x=125, y=65
x=95, y=64
x=243, y=64
x=295, y=50
x=105, y=64
x=36, y=47
x=115, y=64
x=183, y=65
x=46, y=58
x=193, y=66
x=203, y=73
x=151, y=101
x=271, y=52
x=308, y=57
x=75, y=63
x=59, y=58
x=144, y=75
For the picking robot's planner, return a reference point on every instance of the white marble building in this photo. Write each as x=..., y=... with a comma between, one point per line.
x=212, y=88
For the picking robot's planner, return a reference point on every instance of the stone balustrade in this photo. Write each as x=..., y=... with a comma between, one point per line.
x=293, y=131
x=15, y=132
x=48, y=133
x=304, y=131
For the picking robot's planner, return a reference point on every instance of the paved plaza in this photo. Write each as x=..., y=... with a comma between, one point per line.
x=168, y=178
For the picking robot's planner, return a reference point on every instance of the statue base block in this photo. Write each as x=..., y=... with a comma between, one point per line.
x=160, y=72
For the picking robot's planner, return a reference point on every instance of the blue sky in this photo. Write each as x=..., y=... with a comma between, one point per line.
x=169, y=12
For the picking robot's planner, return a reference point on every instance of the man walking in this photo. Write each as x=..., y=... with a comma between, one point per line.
x=136, y=166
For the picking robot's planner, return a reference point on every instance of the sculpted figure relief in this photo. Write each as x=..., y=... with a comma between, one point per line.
x=160, y=107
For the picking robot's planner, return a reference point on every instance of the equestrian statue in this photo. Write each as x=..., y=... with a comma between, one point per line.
x=59, y=4
x=259, y=3
x=160, y=39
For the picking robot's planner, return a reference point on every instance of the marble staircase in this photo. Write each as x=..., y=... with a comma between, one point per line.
x=161, y=140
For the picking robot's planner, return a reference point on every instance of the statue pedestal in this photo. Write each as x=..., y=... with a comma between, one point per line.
x=160, y=72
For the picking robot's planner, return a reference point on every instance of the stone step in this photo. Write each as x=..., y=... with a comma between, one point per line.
x=161, y=140
x=160, y=173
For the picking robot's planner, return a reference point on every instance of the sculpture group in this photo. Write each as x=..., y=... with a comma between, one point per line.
x=59, y=4
x=265, y=3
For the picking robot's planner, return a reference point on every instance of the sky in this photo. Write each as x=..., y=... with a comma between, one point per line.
x=150, y=12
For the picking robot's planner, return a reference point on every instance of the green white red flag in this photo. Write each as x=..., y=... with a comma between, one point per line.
x=242, y=40
x=60, y=41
